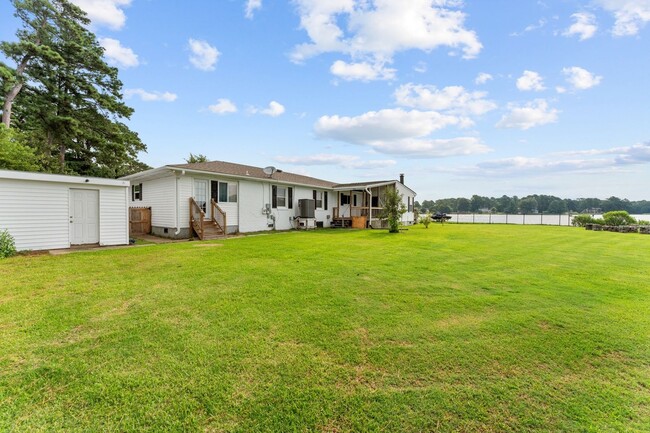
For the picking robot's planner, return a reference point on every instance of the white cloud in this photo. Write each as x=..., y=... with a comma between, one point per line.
x=107, y=13
x=204, y=56
x=630, y=15
x=274, y=109
x=535, y=113
x=530, y=80
x=584, y=26
x=483, y=78
x=343, y=161
x=251, y=6
x=223, y=106
x=117, y=55
x=452, y=99
x=586, y=161
x=151, y=96
x=530, y=28
x=421, y=67
x=397, y=131
x=362, y=71
x=375, y=30
x=581, y=79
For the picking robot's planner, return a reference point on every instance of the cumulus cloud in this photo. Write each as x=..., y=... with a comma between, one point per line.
x=251, y=6
x=117, y=55
x=452, y=99
x=630, y=15
x=223, y=106
x=376, y=30
x=204, y=56
x=534, y=113
x=483, y=78
x=581, y=79
x=362, y=71
x=584, y=26
x=151, y=96
x=274, y=109
x=343, y=161
x=530, y=81
x=397, y=131
x=106, y=13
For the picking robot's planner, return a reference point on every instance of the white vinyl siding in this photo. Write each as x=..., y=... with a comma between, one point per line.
x=158, y=194
x=113, y=216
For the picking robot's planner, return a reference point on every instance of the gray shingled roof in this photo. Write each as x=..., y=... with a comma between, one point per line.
x=230, y=168
x=362, y=184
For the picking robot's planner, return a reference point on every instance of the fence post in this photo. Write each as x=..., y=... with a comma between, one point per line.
x=524, y=219
x=473, y=214
x=541, y=218
x=490, y=218
x=506, y=217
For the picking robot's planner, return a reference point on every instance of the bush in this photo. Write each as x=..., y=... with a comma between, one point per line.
x=426, y=220
x=7, y=244
x=584, y=219
x=618, y=218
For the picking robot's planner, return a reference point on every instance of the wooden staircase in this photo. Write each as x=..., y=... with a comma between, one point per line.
x=211, y=231
x=207, y=228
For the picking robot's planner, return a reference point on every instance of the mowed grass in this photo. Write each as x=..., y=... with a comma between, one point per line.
x=455, y=328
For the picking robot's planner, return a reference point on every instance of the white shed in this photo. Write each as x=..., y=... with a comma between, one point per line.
x=50, y=211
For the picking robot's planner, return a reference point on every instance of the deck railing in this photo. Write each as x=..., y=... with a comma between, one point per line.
x=197, y=217
x=218, y=216
x=355, y=211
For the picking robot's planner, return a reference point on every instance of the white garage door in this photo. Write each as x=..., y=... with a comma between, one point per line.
x=84, y=216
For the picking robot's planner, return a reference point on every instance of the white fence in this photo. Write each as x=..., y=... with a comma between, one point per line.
x=532, y=219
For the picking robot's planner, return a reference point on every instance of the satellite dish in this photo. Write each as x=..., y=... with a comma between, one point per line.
x=269, y=170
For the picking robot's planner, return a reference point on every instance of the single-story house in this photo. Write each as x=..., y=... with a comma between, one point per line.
x=50, y=211
x=212, y=198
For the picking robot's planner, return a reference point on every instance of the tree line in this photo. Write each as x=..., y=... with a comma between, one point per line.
x=62, y=107
x=532, y=204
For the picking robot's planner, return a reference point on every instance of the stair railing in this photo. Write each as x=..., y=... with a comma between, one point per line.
x=197, y=217
x=218, y=216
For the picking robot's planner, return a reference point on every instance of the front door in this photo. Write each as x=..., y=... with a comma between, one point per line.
x=201, y=194
x=84, y=216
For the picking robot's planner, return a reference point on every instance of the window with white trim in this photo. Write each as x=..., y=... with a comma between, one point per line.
x=318, y=198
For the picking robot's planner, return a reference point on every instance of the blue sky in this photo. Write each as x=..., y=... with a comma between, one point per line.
x=464, y=97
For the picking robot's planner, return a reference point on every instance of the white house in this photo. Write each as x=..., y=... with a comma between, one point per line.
x=50, y=211
x=210, y=198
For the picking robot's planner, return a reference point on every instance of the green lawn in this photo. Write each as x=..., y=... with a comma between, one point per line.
x=470, y=328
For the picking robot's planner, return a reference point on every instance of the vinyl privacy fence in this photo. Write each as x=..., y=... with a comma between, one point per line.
x=530, y=219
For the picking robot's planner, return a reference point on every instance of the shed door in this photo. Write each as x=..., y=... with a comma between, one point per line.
x=84, y=216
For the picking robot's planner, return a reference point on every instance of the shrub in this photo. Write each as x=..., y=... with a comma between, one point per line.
x=394, y=208
x=426, y=220
x=618, y=218
x=7, y=244
x=584, y=219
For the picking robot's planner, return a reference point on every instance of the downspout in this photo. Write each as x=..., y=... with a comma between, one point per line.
x=178, y=218
x=369, y=207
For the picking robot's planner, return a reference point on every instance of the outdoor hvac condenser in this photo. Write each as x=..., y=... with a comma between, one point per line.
x=306, y=208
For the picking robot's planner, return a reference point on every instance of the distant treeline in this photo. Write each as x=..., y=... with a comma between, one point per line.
x=532, y=204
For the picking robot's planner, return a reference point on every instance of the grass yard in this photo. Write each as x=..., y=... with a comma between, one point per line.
x=456, y=328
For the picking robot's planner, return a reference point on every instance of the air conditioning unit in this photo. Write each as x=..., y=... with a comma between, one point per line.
x=306, y=208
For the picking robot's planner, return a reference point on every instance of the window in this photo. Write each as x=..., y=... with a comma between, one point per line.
x=345, y=199
x=282, y=196
x=318, y=198
x=354, y=201
x=410, y=204
x=224, y=192
x=136, y=192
